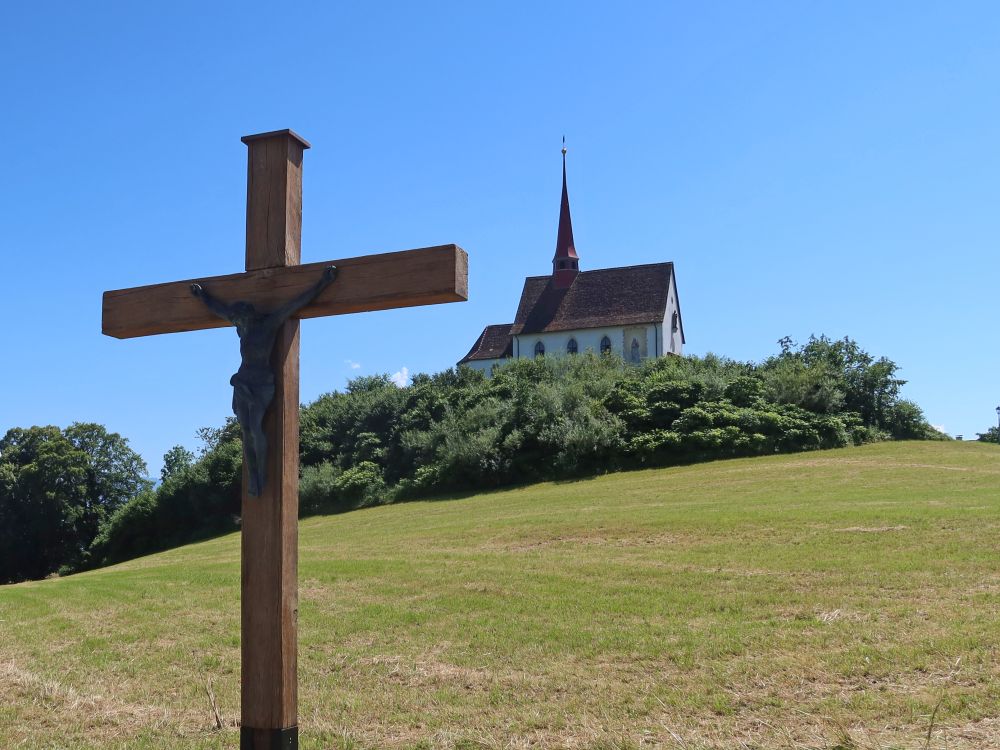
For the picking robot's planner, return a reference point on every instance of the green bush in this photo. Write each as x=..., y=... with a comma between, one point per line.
x=992, y=435
x=905, y=421
x=361, y=485
x=535, y=419
x=317, y=493
x=194, y=502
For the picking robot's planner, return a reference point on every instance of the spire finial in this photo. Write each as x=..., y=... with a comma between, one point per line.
x=564, y=147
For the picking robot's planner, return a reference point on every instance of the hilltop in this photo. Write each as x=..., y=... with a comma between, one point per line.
x=832, y=599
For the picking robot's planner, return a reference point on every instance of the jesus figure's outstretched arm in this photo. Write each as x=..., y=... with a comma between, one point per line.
x=291, y=307
x=213, y=304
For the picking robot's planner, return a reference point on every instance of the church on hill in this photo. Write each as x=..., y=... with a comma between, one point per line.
x=632, y=311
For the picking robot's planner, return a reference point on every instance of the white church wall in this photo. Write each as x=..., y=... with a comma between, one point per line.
x=590, y=338
x=653, y=345
x=671, y=340
x=555, y=343
x=485, y=365
x=639, y=335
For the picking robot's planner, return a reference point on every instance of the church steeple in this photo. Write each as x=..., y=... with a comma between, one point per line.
x=565, y=263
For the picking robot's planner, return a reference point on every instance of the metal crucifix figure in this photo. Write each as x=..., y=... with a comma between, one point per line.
x=253, y=383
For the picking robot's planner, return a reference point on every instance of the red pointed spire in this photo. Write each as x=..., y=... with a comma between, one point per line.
x=565, y=263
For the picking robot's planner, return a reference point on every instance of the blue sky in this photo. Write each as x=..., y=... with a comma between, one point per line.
x=809, y=167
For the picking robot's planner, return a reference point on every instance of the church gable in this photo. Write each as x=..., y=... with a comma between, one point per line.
x=673, y=322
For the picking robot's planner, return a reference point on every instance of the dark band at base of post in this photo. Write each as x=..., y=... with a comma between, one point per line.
x=269, y=739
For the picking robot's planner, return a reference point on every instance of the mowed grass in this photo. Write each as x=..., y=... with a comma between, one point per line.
x=842, y=599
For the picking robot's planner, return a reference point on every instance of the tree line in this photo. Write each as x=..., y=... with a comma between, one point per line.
x=78, y=498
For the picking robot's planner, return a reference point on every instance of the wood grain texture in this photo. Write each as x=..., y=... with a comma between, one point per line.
x=426, y=276
x=269, y=603
x=270, y=558
x=274, y=200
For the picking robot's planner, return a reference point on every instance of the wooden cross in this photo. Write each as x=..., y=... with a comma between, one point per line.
x=273, y=276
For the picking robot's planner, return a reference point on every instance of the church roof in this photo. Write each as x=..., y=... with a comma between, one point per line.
x=493, y=343
x=630, y=295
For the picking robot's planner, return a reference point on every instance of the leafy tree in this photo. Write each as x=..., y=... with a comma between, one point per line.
x=57, y=487
x=830, y=376
x=905, y=421
x=175, y=460
x=870, y=385
x=193, y=503
x=42, y=481
x=992, y=435
x=115, y=473
x=212, y=437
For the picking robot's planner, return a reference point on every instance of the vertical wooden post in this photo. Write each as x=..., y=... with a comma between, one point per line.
x=269, y=680
x=274, y=199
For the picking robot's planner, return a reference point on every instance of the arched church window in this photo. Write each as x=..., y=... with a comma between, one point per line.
x=605, y=345
x=675, y=321
x=634, y=351
x=571, y=346
x=539, y=349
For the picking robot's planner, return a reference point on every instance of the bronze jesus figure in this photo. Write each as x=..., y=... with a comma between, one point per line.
x=253, y=383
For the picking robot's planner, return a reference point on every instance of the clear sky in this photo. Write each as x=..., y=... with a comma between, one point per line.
x=809, y=167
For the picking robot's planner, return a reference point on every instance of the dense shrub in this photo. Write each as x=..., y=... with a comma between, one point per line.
x=992, y=435
x=195, y=501
x=538, y=419
x=324, y=488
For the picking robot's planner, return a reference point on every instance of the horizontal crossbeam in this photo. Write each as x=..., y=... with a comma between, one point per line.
x=427, y=276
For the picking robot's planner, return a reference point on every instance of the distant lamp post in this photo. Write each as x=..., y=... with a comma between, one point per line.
x=998, y=424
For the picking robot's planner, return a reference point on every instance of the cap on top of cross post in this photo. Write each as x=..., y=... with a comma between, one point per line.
x=273, y=133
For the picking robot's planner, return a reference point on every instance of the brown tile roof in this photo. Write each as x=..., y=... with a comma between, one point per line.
x=494, y=342
x=630, y=295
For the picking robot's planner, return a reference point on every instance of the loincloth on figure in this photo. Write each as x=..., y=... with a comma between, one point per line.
x=252, y=388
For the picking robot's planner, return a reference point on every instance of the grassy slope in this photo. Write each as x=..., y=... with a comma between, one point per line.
x=818, y=600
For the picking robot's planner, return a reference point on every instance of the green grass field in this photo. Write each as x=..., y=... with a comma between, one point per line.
x=843, y=599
